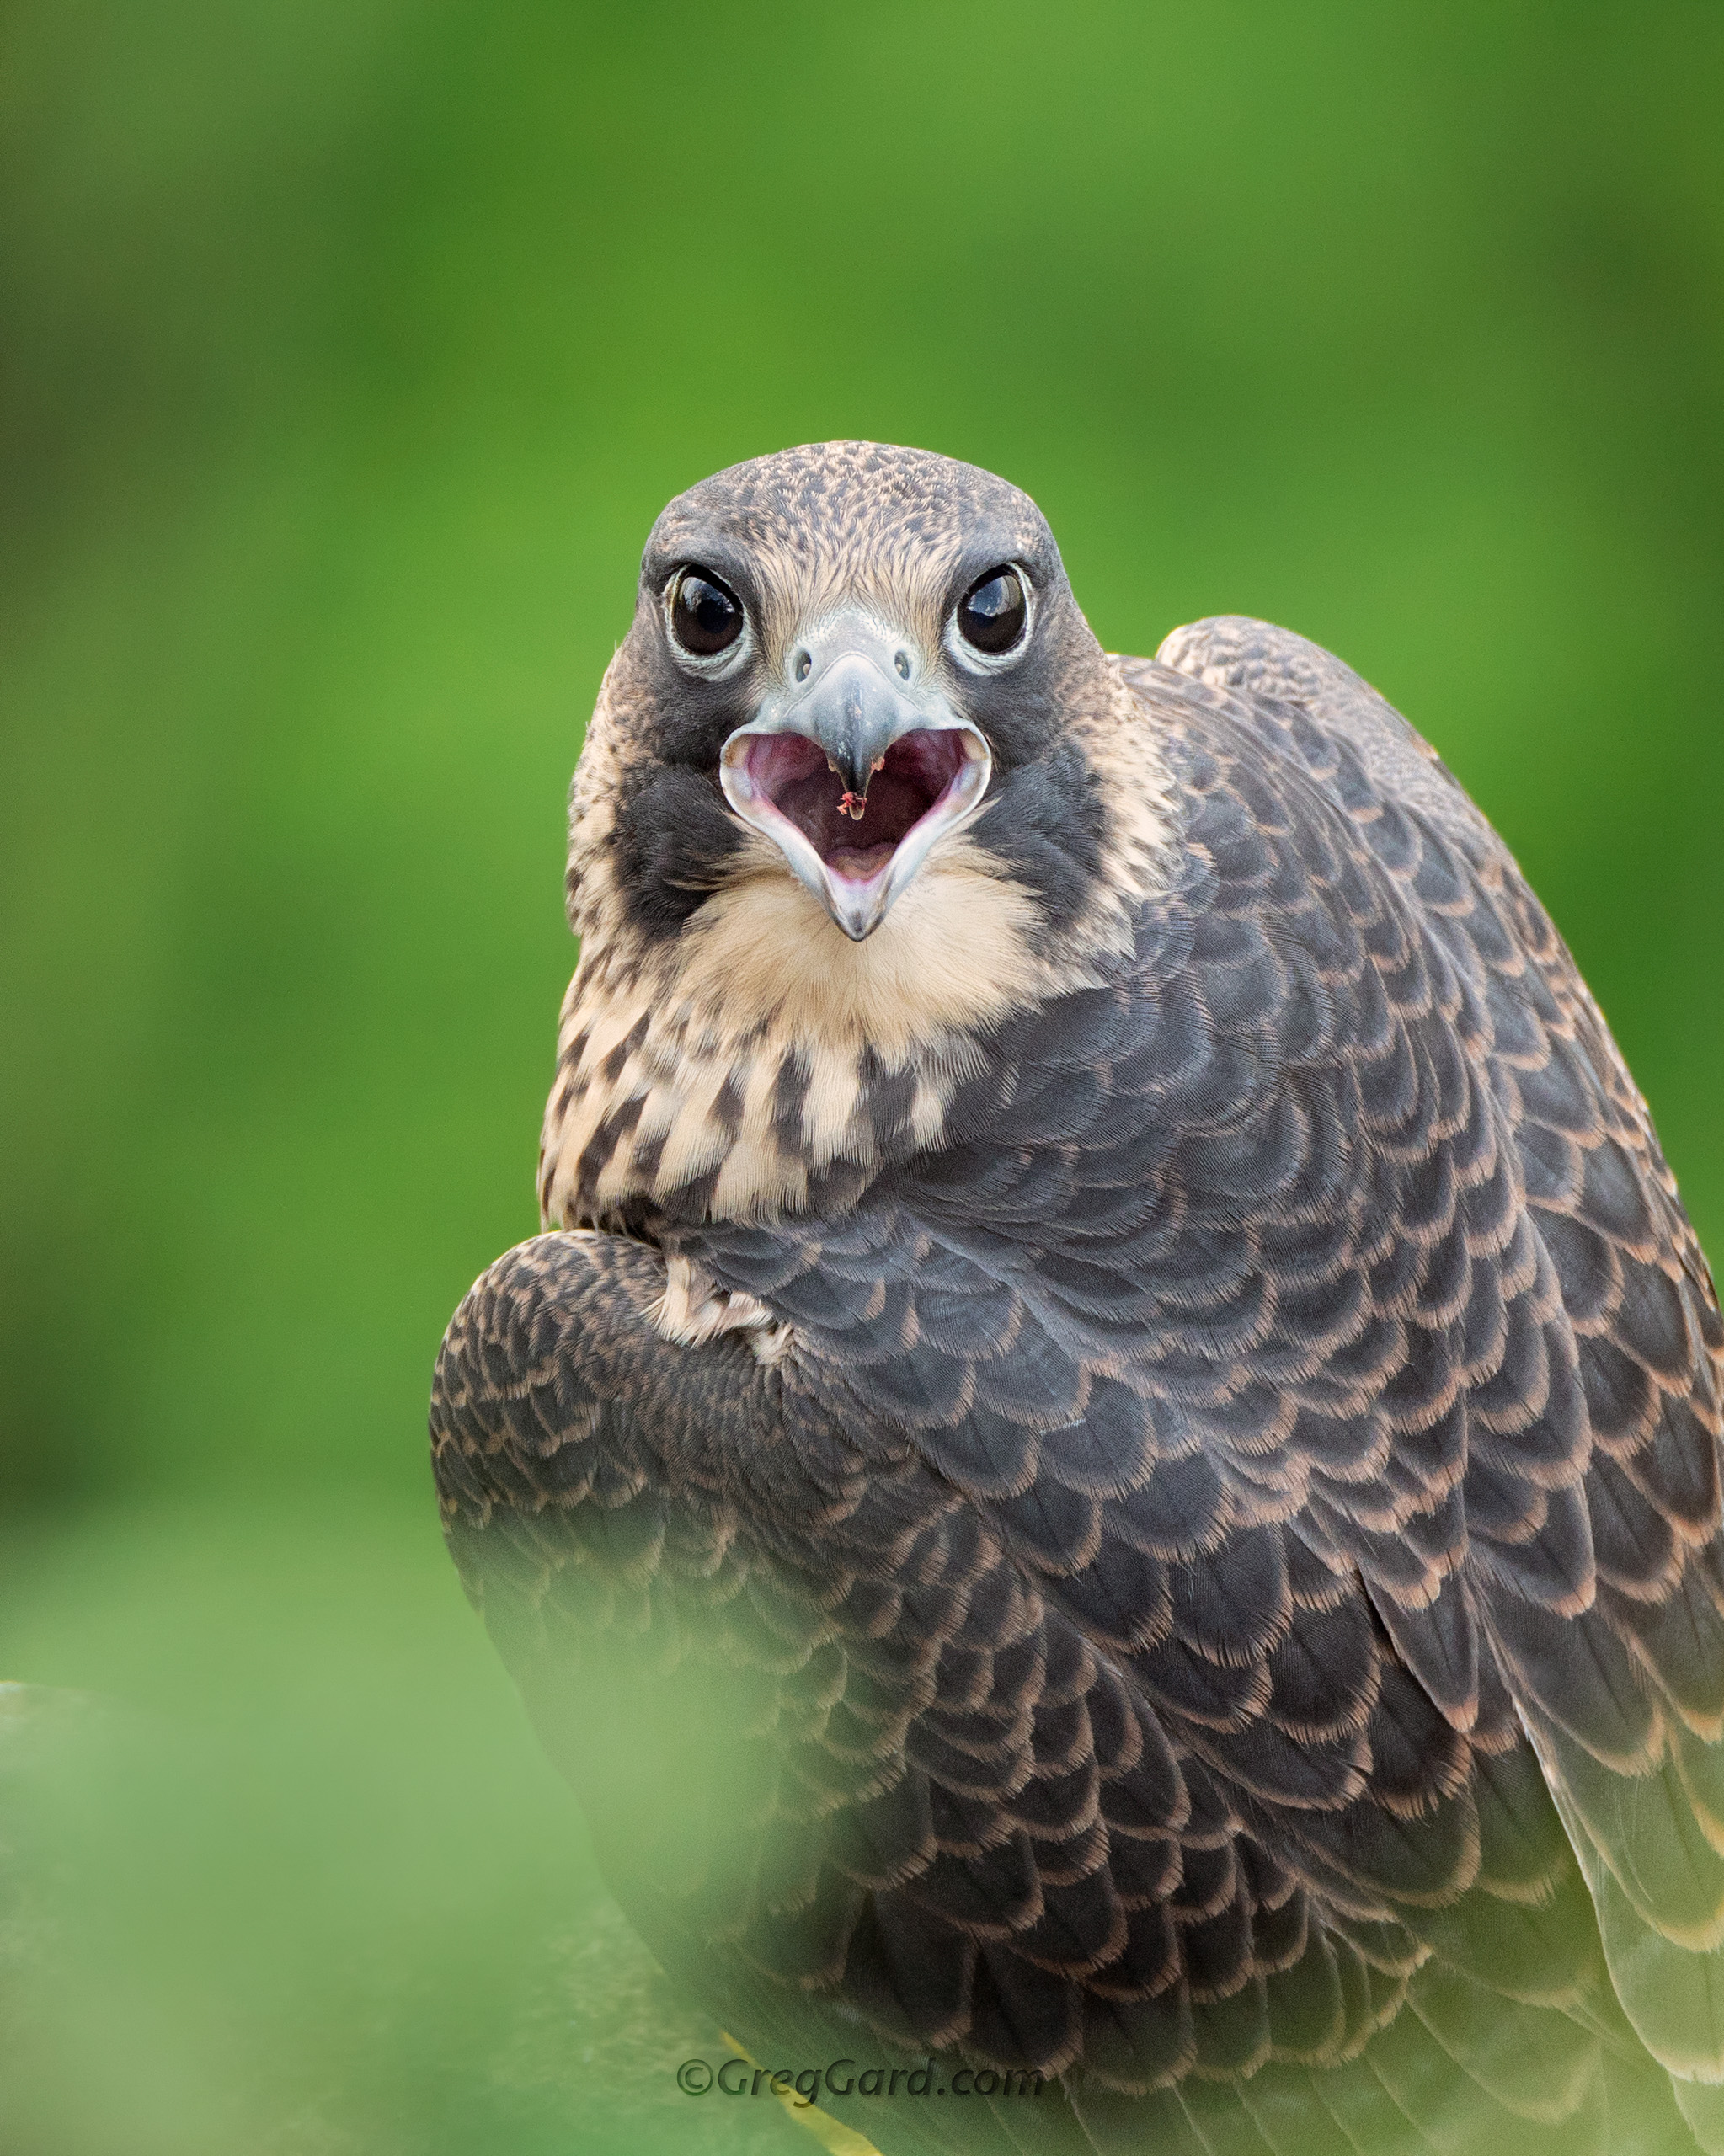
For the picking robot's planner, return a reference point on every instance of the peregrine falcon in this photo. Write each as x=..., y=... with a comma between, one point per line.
x=1106, y=1478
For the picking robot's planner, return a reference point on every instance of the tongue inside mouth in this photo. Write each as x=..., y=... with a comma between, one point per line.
x=856, y=836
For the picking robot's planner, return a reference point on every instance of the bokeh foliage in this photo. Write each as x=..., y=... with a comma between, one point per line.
x=348, y=353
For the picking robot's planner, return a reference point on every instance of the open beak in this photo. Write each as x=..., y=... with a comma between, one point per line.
x=856, y=773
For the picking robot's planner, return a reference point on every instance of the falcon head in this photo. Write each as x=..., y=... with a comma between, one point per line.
x=842, y=657
x=860, y=784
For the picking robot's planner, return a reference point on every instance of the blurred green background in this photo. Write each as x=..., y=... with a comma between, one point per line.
x=348, y=352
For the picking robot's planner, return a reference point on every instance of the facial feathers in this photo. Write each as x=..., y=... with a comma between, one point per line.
x=723, y=1035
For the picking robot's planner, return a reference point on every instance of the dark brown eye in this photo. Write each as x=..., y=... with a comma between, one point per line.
x=705, y=618
x=992, y=613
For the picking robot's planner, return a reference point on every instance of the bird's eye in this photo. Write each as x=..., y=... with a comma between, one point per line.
x=992, y=613
x=705, y=618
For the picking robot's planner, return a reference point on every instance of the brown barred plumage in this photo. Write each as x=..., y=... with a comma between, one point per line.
x=1203, y=1480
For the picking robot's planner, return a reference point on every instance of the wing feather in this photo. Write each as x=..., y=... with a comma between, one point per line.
x=1290, y=1396
x=1623, y=1691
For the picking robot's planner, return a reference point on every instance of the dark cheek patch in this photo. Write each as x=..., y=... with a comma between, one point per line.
x=1047, y=832
x=672, y=837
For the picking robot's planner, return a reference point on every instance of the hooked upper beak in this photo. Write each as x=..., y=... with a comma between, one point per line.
x=856, y=771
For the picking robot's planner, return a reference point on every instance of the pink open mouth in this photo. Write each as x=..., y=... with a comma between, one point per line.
x=856, y=836
x=856, y=852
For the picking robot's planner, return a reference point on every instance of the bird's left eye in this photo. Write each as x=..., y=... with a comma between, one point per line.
x=705, y=618
x=992, y=613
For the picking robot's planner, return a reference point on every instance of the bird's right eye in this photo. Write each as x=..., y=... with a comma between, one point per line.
x=706, y=618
